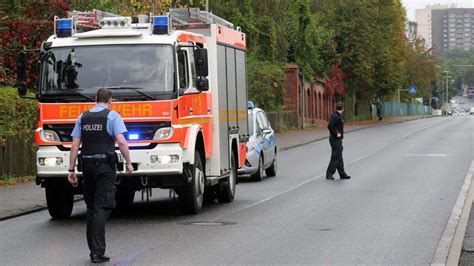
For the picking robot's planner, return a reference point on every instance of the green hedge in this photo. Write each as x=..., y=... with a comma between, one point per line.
x=18, y=117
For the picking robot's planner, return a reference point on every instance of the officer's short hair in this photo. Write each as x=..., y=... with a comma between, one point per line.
x=339, y=106
x=104, y=95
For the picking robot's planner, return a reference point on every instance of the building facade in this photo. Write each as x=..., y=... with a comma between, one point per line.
x=445, y=28
x=453, y=28
x=424, y=23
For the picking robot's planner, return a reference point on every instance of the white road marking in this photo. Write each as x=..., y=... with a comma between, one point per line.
x=426, y=155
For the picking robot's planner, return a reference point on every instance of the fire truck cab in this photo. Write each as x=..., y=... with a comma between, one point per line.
x=179, y=83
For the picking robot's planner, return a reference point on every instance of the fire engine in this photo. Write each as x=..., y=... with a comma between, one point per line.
x=179, y=82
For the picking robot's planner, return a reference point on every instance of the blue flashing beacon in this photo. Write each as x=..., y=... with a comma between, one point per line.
x=161, y=24
x=64, y=27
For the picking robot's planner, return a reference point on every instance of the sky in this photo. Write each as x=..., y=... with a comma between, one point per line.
x=411, y=5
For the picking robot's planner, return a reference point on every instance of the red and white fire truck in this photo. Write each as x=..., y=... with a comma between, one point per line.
x=179, y=82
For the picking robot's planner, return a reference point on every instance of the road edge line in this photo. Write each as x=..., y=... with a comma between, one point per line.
x=449, y=247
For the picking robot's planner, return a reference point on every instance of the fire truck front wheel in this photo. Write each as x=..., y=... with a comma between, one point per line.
x=191, y=196
x=226, y=191
x=60, y=200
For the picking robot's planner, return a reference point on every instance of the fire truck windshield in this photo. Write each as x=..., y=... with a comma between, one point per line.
x=71, y=73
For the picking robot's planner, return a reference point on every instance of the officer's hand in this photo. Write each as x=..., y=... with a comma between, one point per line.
x=339, y=135
x=129, y=168
x=72, y=178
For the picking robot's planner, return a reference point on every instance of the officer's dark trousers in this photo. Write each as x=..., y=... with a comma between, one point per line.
x=337, y=162
x=99, y=195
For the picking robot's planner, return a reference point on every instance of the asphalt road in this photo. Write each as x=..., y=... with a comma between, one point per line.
x=406, y=179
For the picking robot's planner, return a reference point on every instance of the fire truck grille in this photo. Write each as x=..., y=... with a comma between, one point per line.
x=146, y=130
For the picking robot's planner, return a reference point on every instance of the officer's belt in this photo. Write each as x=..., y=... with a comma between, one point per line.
x=96, y=158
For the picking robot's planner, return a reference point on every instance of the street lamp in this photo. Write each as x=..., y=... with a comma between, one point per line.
x=447, y=88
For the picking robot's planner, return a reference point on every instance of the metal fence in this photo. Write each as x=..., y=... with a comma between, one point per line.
x=405, y=109
x=283, y=120
x=17, y=158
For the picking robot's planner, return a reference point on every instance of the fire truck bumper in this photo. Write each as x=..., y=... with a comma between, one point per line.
x=164, y=159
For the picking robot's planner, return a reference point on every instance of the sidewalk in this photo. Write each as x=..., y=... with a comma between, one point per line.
x=26, y=198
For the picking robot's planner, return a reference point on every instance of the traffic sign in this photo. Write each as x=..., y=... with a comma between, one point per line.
x=412, y=89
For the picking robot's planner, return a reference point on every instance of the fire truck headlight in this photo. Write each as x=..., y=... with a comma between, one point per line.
x=163, y=133
x=49, y=136
x=164, y=159
x=50, y=161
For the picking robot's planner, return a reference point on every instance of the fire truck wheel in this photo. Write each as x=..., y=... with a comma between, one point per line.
x=191, y=196
x=60, y=200
x=226, y=190
x=124, y=197
x=258, y=176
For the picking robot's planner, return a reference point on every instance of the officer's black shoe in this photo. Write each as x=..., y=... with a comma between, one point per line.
x=345, y=177
x=330, y=177
x=99, y=258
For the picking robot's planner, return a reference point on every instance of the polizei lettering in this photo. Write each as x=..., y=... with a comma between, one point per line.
x=92, y=127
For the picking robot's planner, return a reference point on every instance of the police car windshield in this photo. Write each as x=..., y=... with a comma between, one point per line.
x=85, y=69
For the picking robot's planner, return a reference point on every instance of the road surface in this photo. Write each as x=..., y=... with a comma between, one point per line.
x=406, y=179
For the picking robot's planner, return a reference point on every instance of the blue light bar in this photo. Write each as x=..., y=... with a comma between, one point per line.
x=64, y=27
x=161, y=24
x=250, y=105
x=133, y=136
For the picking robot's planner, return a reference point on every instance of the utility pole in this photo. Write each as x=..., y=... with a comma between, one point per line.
x=207, y=5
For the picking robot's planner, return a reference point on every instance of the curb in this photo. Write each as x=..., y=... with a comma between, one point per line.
x=450, y=245
x=353, y=130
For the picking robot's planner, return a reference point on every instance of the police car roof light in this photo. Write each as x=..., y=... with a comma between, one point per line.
x=161, y=24
x=250, y=105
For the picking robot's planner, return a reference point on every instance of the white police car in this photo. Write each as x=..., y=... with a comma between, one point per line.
x=261, y=148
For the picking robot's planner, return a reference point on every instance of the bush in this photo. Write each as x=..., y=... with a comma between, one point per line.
x=18, y=117
x=265, y=81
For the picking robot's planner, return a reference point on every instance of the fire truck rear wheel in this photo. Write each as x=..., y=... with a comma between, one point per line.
x=60, y=200
x=191, y=196
x=226, y=191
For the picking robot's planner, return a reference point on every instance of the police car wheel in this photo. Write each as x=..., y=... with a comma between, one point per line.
x=191, y=196
x=60, y=200
x=272, y=170
x=226, y=190
x=258, y=176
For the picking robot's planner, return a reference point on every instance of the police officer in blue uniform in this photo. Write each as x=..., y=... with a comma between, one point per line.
x=98, y=129
x=336, y=134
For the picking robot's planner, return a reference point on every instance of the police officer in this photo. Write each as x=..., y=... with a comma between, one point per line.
x=98, y=129
x=336, y=130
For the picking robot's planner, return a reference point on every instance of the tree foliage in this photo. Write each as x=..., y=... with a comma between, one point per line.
x=359, y=47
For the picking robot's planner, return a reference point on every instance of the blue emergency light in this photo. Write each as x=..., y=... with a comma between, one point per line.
x=64, y=27
x=250, y=105
x=133, y=136
x=161, y=24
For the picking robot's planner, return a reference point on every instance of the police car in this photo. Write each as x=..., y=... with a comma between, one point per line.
x=261, y=147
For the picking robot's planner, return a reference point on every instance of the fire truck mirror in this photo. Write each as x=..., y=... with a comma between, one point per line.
x=21, y=74
x=202, y=84
x=200, y=57
x=21, y=67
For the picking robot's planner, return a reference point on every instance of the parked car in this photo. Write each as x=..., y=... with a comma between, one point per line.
x=471, y=112
x=261, y=148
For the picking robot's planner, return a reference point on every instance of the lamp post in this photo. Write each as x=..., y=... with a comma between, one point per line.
x=447, y=88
